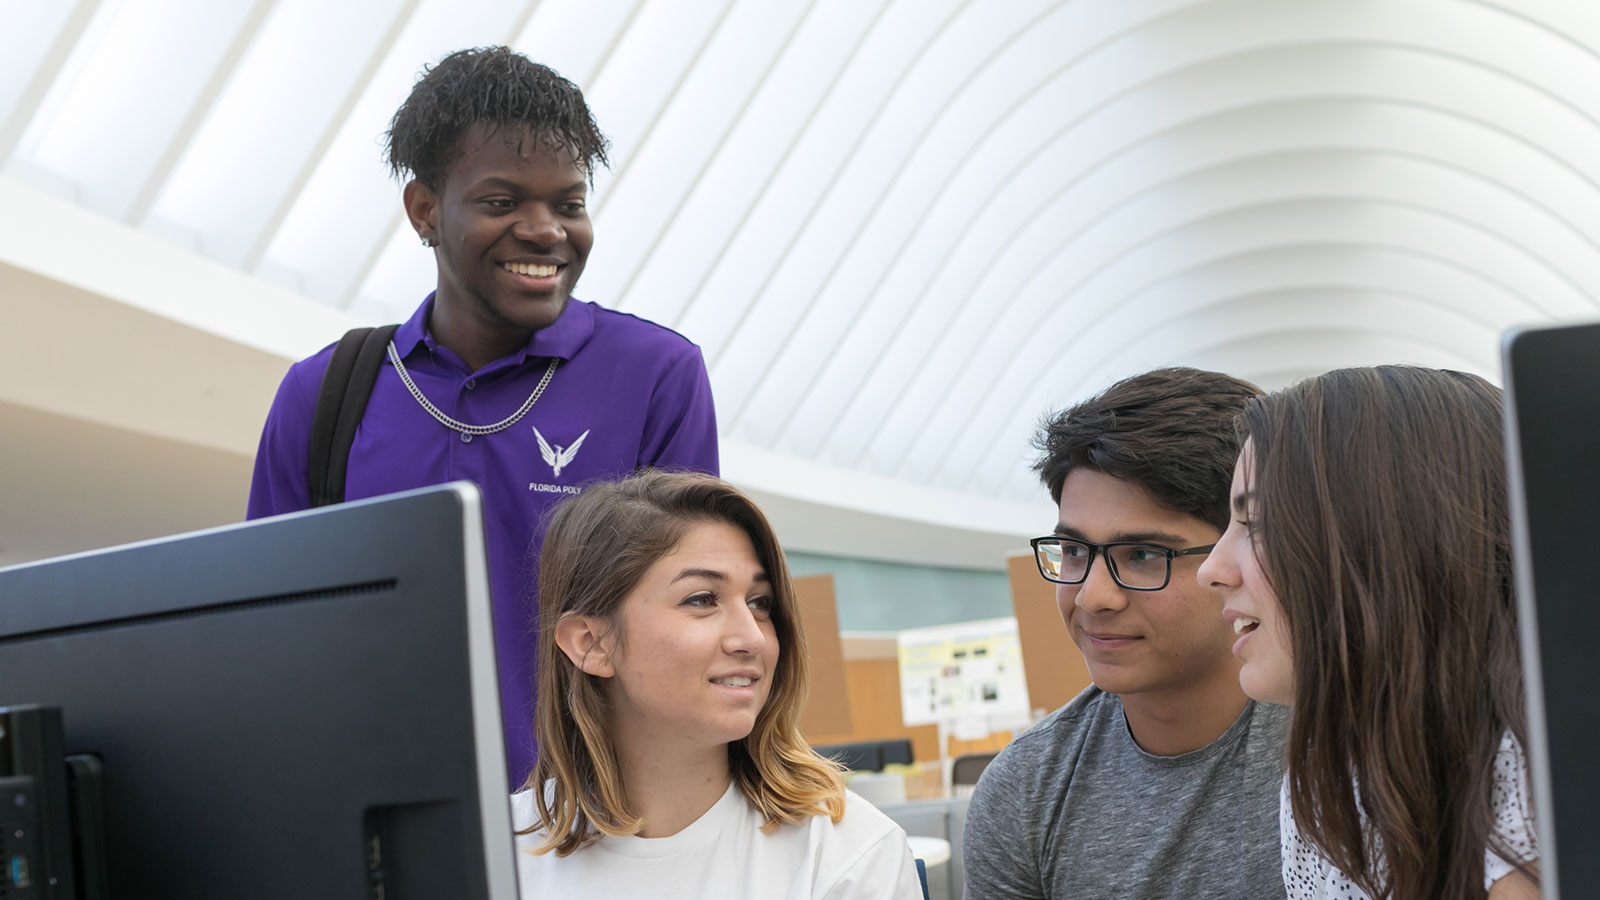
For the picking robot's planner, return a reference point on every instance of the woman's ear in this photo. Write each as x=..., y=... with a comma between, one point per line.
x=582, y=639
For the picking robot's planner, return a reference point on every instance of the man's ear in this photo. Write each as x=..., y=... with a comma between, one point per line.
x=583, y=640
x=422, y=208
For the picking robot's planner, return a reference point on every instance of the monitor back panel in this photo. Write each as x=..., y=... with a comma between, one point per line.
x=264, y=698
x=1553, y=439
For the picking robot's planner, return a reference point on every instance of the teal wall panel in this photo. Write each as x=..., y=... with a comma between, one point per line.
x=881, y=596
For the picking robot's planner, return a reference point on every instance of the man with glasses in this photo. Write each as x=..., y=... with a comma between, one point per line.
x=1160, y=779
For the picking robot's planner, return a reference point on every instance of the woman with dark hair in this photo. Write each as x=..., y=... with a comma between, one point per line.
x=1367, y=570
x=672, y=673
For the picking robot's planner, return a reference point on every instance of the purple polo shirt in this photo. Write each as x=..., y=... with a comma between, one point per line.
x=634, y=393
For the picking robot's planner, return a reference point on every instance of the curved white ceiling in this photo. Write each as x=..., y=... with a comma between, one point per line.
x=902, y=230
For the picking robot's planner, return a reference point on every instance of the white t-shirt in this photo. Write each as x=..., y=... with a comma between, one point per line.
x=724, y=853
x=1308, y=875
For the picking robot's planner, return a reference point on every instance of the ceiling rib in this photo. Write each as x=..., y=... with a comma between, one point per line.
x=1088, y=171
x=66, y=39
x=1103, y=354
x=1017, y=355
x=1270, y=251
x=1456, y=57
x=1085, y=115
x=715, y=355
x=988, y=483
x=522, y=20
x=1221, y=303
x=1125, y=30
x=911, y=147
x=396, y=220
x=710, y=156
x=1549, y=29
x=1208, y=260
x=336, y=122
x=1256, y=159
x=655, y=116
x=616, y=40
x=1366, y=202
x=910, y=238
x=778, y=166
x=157, y=178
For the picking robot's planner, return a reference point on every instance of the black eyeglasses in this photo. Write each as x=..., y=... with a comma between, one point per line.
x=1135, y=565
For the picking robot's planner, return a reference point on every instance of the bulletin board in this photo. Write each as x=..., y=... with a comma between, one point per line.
x=827, y=708
x=963, y=672
x=1056, y=670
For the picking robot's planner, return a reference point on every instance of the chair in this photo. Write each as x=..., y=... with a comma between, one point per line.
x=968, y=766
x=869, y=756
x=897, y=752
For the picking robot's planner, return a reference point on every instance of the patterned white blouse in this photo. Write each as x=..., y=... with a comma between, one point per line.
x=1308, y=875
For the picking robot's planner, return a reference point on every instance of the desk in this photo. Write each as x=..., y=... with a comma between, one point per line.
x=933, y=851
x=942, y=822
x=878, y=788
x=935, y=855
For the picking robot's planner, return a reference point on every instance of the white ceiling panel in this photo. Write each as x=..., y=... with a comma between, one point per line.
x=35, y=47
x=128, y=53
x=902, y=230
x=854, y=226
x=653, y=57
x=290, y=90
x=948, y=118
x=834, y=133
x=575, y=37
x=643, y=198
x=758, y=144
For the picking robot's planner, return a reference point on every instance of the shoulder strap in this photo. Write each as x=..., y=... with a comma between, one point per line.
x=342, y=400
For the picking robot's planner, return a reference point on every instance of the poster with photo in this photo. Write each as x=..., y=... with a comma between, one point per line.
x=963, y=672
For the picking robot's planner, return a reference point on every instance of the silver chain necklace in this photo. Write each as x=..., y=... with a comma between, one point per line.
x=464, y=428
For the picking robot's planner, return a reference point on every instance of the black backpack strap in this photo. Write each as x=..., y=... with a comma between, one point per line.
x=342, y=400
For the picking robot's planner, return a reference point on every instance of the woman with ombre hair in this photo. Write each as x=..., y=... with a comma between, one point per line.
x=672, y=674
x=1367, y=572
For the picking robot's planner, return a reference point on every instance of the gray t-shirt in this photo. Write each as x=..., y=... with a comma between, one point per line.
x=1073, y=809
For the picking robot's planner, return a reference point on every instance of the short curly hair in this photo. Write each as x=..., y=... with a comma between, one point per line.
x=1170, y=431
x=494, y=86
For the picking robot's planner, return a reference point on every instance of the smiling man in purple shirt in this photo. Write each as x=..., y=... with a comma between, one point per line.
x=503, y=378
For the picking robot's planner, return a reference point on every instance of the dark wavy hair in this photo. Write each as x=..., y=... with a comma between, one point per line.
x=1170, y=431
x=1384, y=531
x=494, y=86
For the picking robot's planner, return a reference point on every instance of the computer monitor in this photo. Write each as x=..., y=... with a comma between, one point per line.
x=302, y=706
x=1552, y=378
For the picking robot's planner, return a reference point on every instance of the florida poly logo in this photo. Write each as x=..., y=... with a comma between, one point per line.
x=557, y=456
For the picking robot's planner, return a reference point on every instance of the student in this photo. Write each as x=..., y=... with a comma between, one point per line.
x=1159, y=779
x=501, y=377
x=1368, y=572
x=672, y=676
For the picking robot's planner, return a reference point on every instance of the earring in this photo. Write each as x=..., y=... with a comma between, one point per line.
x=427, y=242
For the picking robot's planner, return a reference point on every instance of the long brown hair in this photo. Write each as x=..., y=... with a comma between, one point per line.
x=598, y=546
x=1381, y=499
